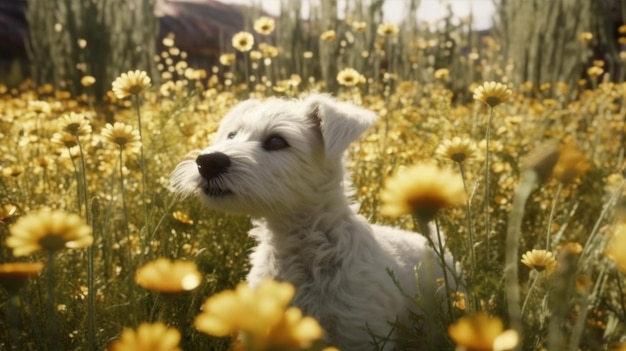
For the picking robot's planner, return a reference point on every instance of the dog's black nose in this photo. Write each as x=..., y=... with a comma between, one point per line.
x=213, y=164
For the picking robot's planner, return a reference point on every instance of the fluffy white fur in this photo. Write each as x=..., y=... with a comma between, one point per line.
x=308, y=233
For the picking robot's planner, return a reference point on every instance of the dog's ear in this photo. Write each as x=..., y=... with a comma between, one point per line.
x=340, y=122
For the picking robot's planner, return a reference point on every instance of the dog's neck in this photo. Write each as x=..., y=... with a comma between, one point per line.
x=319, y=216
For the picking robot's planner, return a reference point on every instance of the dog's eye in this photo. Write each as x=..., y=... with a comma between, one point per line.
x=274, y=143
x=231, y=135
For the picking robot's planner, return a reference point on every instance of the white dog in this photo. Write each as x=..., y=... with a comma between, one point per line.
x=282, y=162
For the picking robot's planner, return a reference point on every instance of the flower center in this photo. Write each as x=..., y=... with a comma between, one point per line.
x=52, y=242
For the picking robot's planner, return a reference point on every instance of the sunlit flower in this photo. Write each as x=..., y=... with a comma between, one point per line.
x=166, y=276
x=594, y=71
x=7, y=211
x=264, y=25
x=570, y=166
x=457, y=149
x=492, y=93
x=14, y=275
x=328, y=35
x=387, y=29
x=616, y=249
x=243, y=41
x=148, y=337
x=359, y=26
x=458, y=300
x=39, y=106
x=75, y=124
x=131, y=83
x=539, y=260
x=268, y=50
x=442, y=73
x=482, y=333
x=586, y=36
x=182, y=217
x=261, y=315
x=12, y=171
x=124, y=135
x=348, y=77
x=227, y=59
x=65, y=139
x=49, y=230
x=87, y=81
x=423, y=190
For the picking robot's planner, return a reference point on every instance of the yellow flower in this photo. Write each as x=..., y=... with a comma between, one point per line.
x=616, y=249
x=268, y=50
x=586, y=36
x=359, y=26
x=131, y=83
x=492, y=93
x=348, y=77
x=75, y=124
x=182, y=217
x=571, y=164
x=7, y=211
x=539, y=260
x=387, y=29
x=227, y=59
x=329, y=35
x=48, y=230
x=482, y=333
x=65, y=139
x=423, y=190
x=442, y=73
x=12, y=171
x=166, y=276
x=264, y=25
x=458, y=300
x=243, y=41
x=14, y=275
x=260, y=315
x=148, y=337
x=124, y=135
x=594, y=71
x=87, y=81
x=457, y=149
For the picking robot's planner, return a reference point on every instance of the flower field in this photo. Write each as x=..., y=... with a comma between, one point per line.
x=523, y=172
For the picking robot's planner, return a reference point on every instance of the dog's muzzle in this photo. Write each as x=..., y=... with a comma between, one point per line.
x=210, y=167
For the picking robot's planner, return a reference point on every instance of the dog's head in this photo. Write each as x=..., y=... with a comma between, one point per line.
x=273, y=156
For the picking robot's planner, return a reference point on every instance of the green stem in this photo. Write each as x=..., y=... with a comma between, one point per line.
x=137, y=101
x=440, y=253
x=15, y=323
x=552, y=210
x=529, y=292
x=511, y=275
x=468, y=208
x=487, y=182
x=52, y=320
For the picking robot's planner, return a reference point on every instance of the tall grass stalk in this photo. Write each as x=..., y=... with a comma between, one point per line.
x=137, y=104
x=144, y=187
x=439, y=250
x=468, y=209
x=50, y=294
x=487, y=201
x=511, y=275
x=13, y=317
x=555, y=200
x=91, y=327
